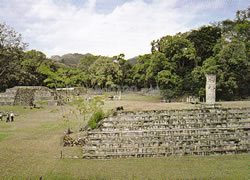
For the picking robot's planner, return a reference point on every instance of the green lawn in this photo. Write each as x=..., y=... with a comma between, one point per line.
x=30, y=147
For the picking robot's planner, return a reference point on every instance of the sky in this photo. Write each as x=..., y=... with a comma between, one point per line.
x=109, y=27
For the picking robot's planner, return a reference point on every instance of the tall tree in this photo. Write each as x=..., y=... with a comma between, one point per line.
x=125, y=69
x=30, y=64
x=139, y=71
x=11, y=53
x=105, y=73
x=231, y=66
x=204, y=40
x=181, y=55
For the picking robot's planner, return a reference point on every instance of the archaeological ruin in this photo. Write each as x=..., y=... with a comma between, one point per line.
x=204, y=130
x=210, y=88
x=200, y=131
x=28, y=96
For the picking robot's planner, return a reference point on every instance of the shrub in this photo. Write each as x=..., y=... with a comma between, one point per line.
x=95, y=118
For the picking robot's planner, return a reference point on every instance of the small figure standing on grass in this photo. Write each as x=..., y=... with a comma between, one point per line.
x=8, y=117
x=12, y=117
x=1, y=116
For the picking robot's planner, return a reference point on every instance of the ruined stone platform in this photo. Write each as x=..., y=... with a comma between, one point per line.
x=27, y=95
x=200, y=131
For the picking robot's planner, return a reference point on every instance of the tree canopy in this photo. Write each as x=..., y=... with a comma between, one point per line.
x=176, y=65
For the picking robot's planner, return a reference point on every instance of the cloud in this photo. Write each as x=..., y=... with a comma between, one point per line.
x=59, y=27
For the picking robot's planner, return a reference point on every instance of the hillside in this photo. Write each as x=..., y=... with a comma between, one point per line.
x=70, y=59
x=73, y=59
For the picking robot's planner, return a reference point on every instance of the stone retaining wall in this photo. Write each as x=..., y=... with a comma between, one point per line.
x=27, y=96
x=201, y=131
x=24, y=97
x=8, y=97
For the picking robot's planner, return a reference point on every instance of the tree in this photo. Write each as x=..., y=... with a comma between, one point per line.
x=230, y=64
x=10, y=39
x=30, y=64
x=169, y=83
x=180, y=59
x=179, y=51
x=125, y=69
x=198, y=81
x=105, y=73
x=52, y=80
x=230, y=60
x=238, y=28
x=62, y=76
x=139, y=70
x=204, y=40
x=11, y=53
x=158, y=62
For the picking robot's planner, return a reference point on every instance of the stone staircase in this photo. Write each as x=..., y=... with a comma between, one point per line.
x=201, y=131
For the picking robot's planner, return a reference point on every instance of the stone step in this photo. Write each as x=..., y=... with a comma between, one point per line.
x=163, y=133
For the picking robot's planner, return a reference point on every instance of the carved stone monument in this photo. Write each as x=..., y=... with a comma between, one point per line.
x=210, y=88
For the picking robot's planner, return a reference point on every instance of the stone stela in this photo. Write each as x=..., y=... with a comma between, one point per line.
x=210, y=88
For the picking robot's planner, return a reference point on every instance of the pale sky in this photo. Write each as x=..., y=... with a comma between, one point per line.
x=108, y=27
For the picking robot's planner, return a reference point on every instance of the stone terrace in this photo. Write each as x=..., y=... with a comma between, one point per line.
x=200, y=131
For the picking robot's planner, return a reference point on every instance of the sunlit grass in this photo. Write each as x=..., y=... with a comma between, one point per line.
x=16, y=109
x=3, y=135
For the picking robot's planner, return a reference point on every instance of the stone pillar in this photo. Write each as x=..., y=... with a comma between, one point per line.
x=210, y=88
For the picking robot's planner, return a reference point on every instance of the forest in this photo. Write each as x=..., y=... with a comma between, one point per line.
x=176, y=65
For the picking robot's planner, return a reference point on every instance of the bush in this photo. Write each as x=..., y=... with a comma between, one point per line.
x=95, y=118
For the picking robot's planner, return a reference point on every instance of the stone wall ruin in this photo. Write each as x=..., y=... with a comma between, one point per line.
x=201, y=131
x=27, y=96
